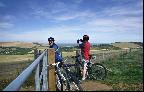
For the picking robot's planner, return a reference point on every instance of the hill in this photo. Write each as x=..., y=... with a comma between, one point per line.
x=17, y=44
x=126, y=45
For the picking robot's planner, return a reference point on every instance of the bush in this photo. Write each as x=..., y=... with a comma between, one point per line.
x=14, y=51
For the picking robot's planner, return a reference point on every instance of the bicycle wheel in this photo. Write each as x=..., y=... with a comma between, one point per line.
x=97, y=71
x=58, y=83
x=73, y=82
x=66, y=85
x=62, y=82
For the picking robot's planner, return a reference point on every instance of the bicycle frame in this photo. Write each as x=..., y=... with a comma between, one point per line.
x=69, y=77
x=99, y=69
x=72, y=77
x=59, y=76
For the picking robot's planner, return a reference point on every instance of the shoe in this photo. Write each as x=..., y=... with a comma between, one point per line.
x=83, y=78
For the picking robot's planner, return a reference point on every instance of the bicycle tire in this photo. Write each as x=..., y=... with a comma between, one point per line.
x=73, y=81
x=97, y=72
x=77, y=83
x=62, y=83
x=58, y=83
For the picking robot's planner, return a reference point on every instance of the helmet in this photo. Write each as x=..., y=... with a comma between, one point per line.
x=51, y=39
x=85, y=37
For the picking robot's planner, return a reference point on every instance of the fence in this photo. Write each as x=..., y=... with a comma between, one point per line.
x=44, y=76
x=103, y=55
x=45, y=79
x=113, y=54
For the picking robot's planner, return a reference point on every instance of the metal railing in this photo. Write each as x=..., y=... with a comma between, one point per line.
x=16, y=84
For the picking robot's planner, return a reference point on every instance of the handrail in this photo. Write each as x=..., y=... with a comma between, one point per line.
x=17, y=83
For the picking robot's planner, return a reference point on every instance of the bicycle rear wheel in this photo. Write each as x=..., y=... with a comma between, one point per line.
x=97, y=72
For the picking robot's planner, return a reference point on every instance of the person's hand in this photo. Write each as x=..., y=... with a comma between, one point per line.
x=81, y=40
x=78, y=41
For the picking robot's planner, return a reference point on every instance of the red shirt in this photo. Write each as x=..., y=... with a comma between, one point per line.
x=85, y=50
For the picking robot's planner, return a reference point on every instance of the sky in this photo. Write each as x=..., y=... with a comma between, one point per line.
x=105, y=21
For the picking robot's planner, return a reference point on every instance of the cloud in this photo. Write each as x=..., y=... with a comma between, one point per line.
x=78, y=1
x=71, y=22
x=117, y=18
x=59, y=11
x=102, y=30
x=69, y=34
x=6, y=21
x=75, y=15
x=61, y=34
x=122, y=11
x=129, y=22
x=7, y=18
x=4, y=25
x=2, y=4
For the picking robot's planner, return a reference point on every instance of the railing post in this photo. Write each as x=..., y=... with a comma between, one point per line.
x=37, y=79
x=44, y=70
x=51, y=70
x=35, y=53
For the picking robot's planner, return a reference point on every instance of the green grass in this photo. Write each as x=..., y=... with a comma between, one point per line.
x=10, y=70
x=14, y=51
x=126, y=72
x=15, y=58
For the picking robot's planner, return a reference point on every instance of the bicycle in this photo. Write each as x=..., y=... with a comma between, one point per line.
x=73, y=82
x=66, y=79
x=95, y=71
x=61, y=81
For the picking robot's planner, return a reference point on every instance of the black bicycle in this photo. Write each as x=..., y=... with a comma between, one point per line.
x=95, y=71
x=66, y=80
x=61, y=80
x=73, y=81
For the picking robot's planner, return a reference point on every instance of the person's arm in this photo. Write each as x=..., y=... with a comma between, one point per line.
x=80, y=43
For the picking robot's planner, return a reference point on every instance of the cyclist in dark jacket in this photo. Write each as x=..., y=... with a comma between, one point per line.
x=58, y=57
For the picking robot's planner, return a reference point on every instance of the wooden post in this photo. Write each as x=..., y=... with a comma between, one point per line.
x=35, y=53
x=51, y=70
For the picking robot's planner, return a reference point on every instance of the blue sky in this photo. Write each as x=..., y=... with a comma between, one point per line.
x=105, y=21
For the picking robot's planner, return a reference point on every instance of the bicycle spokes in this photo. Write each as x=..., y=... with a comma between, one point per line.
x=97, y=72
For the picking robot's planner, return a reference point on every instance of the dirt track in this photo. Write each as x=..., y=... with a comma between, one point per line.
x=95, y=86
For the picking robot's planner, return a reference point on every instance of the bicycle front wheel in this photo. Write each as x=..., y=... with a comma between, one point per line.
x=97, y=72
x=74, y=84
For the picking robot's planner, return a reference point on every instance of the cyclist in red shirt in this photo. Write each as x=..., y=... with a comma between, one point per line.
x=85, y=52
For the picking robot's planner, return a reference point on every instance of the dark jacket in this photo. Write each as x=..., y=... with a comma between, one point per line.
x=58, y=57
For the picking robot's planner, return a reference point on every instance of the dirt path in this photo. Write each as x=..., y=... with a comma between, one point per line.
x=95, y=86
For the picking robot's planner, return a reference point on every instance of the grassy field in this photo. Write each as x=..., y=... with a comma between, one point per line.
x=126, y=72
x=126, y=45
x=11, y=66
x=15, y=58
x=17, y=44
